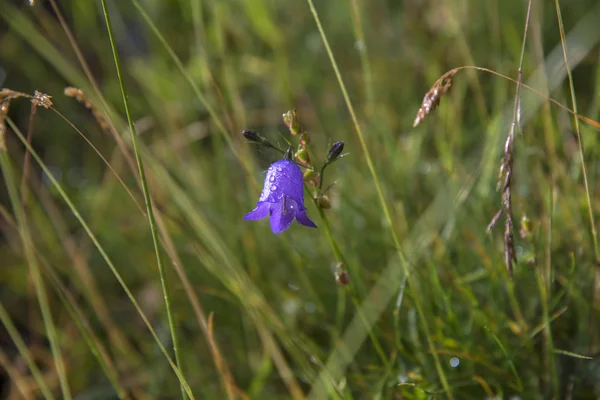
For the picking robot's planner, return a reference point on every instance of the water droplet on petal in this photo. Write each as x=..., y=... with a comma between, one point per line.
x=272, y=178
x=279, y=169
x=273, y=187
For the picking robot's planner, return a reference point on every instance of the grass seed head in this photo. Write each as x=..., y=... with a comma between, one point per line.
x=87, y=103
x=432, y=98
x=42, y=99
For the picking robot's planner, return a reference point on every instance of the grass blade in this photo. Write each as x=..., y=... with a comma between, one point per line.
x=381, y=197
x=101, y=250
x=147, y=198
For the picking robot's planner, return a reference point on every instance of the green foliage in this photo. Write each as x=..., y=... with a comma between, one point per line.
x=260, y=315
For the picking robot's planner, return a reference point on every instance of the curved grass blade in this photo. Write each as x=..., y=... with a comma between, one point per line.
x=147, y=198
x=102, y=252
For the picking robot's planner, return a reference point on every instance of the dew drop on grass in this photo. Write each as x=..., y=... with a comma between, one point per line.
x=310, y=307
x=290, y=306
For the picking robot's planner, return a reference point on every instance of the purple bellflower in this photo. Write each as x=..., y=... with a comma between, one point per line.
x=282, y=197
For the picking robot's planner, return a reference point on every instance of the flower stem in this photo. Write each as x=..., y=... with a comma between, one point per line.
x=349, y=289
x=382, y=200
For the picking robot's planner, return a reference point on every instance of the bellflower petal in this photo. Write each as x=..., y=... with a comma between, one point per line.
x=303, y=219
x=261, y=211
x=282, y=215
x=282, y=197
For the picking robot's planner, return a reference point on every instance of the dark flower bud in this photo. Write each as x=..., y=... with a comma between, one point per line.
x=335, y=151
x=290, y=120
x=289, y=154
x=252, y=136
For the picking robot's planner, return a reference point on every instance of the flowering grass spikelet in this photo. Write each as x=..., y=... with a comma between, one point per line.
x=282, y=197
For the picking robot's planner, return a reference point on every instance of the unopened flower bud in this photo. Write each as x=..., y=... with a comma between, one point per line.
x=308, y=175
x=290, y=120
x=304, y=139
x=323, y=202
x=341, y=275
x=311, y=177
x=289, y=154
x=302, y=156
x=335, y=151
x=252, y=136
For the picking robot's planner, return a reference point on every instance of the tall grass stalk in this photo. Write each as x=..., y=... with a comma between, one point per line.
x=596, y=270
x=351, y=291
x=147, y=198
x=382, y=201
x=101, y=250
x=16, y=376
x=24, y=352
x=268, y=317
x=78, y=317
x=201, y=97
x=576, y=118
x=36, y=275
x=93, y=342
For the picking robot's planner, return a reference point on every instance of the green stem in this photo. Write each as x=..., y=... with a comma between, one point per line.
x=349, y=289
x=24, y=352
x=147, y=198
x=382, y=200
x=94, y=344
x=359, y=35
x=36, y=275
x=578, y=133
x=102, y=252
x=511, y=364
x=594, y=313
x=549, y=344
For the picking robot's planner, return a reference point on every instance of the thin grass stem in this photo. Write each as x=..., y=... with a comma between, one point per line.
x=34, y=267
x=563, y=42
x=511, y=364
x=16, y=376
x=14, y=335
x=79, y=318
x=381, y=197
x=578, y=133
x=201, y=97
x=147, y=198
x=94, y=344
x=349, y=289
x=102, y=252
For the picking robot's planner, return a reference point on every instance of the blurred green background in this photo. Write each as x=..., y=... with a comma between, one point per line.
x=199, y=72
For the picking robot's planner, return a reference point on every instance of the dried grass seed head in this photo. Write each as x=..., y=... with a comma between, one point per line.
x=42, y=99
x=432, y=98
